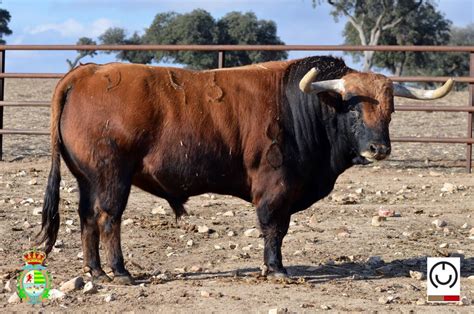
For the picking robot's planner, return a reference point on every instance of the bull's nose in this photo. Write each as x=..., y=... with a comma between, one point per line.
x=379, y=151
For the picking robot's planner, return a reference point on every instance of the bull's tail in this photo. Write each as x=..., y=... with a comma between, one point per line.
x=50, y=215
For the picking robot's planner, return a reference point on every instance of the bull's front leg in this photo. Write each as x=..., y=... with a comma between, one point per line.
x=274, y=219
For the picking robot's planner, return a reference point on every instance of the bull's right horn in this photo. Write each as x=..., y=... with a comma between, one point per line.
x=414, y=93
x=307, y=84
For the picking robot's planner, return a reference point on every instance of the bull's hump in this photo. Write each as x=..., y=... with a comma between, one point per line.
x=271, y=66
x=265, y=66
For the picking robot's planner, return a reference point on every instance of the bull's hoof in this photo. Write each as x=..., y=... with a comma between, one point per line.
x=126, y=280
x=98, y=275
x=271, y=272
x=277, y=275
x=102, y=278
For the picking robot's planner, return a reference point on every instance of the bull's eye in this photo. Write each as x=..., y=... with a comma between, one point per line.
x=353, y=108
x=351, y=103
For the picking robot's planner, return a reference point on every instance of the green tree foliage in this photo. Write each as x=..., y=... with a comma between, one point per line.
x=200, y=28
x=371, y=19
x=82, y=53
x=423, y=26
x=117, y=36
x=454, y=63
x=4, y=29
x=245, y=29
x=197, y=28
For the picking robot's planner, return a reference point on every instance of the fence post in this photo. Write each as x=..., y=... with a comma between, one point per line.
x=469, y=114
x=2, y=87
x=221, y=60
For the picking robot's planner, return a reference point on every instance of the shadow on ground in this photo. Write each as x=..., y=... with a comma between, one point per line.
x=372, y=269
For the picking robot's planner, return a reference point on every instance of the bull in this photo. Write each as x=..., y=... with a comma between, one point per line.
x=277, y=134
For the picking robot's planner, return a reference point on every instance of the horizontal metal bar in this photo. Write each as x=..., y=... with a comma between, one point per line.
x=24, y=132
x=32, y=75
x=441, y=140
x=434, y=108
x=25, y=103
x=462, y=79
x=448, y=140
x=397, y=108
x=242, y=48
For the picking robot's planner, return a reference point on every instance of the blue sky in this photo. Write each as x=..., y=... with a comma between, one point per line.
x=63, y=22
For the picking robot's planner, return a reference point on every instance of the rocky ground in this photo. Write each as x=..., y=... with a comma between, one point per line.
x=343, y=253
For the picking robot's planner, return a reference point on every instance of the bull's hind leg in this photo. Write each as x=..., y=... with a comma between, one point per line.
x=90, y=234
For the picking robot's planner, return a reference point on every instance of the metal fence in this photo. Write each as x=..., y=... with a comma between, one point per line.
x=221, y=49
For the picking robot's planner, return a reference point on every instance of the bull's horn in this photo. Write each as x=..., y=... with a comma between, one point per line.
x=414, y=93
x=308, y=86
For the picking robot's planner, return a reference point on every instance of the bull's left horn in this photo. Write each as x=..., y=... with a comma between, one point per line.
x=414, y=93
x=308, y=86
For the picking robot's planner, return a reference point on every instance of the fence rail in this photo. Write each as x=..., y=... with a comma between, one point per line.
x=437, y=79
x=221, y=49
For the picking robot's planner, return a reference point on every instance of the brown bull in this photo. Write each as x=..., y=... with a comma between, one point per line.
x=275, y=134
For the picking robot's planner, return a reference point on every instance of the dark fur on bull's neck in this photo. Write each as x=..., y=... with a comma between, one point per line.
x=320, y=146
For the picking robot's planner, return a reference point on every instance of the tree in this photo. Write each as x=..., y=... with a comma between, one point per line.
x=82, y=53
x=245, y=29
x=4, y=29
x=372, y=18
x=200, y=28
x=424, y=26
x=195, y=28
x=117, y=36
x=451, y=63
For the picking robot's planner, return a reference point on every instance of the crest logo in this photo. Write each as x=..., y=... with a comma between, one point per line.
x=34, y=282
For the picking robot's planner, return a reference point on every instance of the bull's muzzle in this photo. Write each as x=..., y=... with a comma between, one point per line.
x=376, y=151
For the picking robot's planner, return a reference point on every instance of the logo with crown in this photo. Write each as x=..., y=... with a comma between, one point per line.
x=34, y=281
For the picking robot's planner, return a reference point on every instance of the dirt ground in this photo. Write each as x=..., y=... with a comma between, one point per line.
x=336, y=258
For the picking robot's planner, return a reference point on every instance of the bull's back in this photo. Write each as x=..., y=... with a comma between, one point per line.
x=183, y=132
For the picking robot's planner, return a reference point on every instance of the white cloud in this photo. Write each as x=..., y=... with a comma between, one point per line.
x=67, y=28
x=16, y=40
x=73, y=28
x=99, y=26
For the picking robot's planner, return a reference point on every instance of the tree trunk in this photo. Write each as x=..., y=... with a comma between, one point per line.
x=398, y=69
x=399, y=66
x=368, y=60
x=371, y=38
x=72, y=64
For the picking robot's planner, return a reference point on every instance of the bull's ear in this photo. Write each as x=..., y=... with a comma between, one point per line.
x=308, y=84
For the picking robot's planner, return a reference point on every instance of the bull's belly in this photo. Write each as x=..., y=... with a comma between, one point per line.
x=184, y=176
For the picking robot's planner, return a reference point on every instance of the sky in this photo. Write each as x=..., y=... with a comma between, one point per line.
x=64, y=21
